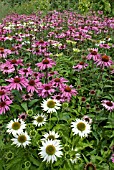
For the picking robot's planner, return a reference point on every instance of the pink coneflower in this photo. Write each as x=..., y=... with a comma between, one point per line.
x=87, y=119
x=17, y=83
x=28, y=96
x=59, y=98
x=93, y=54
x=4, y=93
x=25, y=71
x=33, y=85
x=4, y=52
x=15, y=62
x=112, y=158
x=109, y=105
x=52, y=73
x=46, y=63
x=23, y=116
x=58, y=82
x=106, y=46
x=80, y=66
x=38, y=75
x=104, y=61
x=4, y=105
x=68, y=92
x=112, y=72
x=7, y=68
x=45, y=90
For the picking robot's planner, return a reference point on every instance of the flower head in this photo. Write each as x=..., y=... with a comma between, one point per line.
x=104, y=61
x=51, y=105
x=39, y=120
x=80, y=66
x=50, y=136
x=16, y=126
x=81, y=127
x=50, y=150
x=21, y=139
x=4, y=105
x=109, y=105
x=46, y=63
x=17, y=83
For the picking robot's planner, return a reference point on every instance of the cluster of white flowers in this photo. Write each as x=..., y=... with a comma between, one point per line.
x=16, y=127
x=51, y=147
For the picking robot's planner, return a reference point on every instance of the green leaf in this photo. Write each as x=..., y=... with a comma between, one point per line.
x=24, y=106
x=86, y=160
x=16, y=107
x=34, y=161
x=31, y=103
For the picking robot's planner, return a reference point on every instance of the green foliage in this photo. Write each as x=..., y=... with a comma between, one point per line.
x=5, y=10
x=32, y=7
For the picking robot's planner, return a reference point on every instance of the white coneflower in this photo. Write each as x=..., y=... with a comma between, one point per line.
x=16, y=126
x=21, y=139
x=50, y=150
x=81, y=127
x=51, y=105
x=51, y=136
x=75, y=156
x=39, y=120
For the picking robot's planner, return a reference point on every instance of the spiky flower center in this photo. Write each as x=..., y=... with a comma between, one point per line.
x=90, y=166
x=16, y=126
x=50, y=150
x=13, y=61
x=25, y=70
x=9, y=155
x=51, y=104
x=58, y=97
x=51, y=137
x=22, y=138
x=45, y=61
x=67, y=89
x=1, y=49
x=2, y=92
x=6, y=68
x=47, y=87
x=57, y=79
x=23, y=116
x=2, y=104
x=17, y=80
x=105, y=58
x=12, y=49
x=87, y=119
x=31, y=82
x=41, y=42
x=27, y=96
x=39, y=119
x=81, y=63
x=94, y=52
x=109, y=104
x=81, y=126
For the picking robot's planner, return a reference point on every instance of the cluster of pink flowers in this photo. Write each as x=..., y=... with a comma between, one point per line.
x=5, y=100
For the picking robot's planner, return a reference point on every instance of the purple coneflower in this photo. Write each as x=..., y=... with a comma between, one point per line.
x=25, y=71
x=33, y=85
x=109, y=105
x=17, y=83
x=46, y=63
x=4, y=105
x=45, y=90
x=68, y=92
x=80, y=66
x=104, y=61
